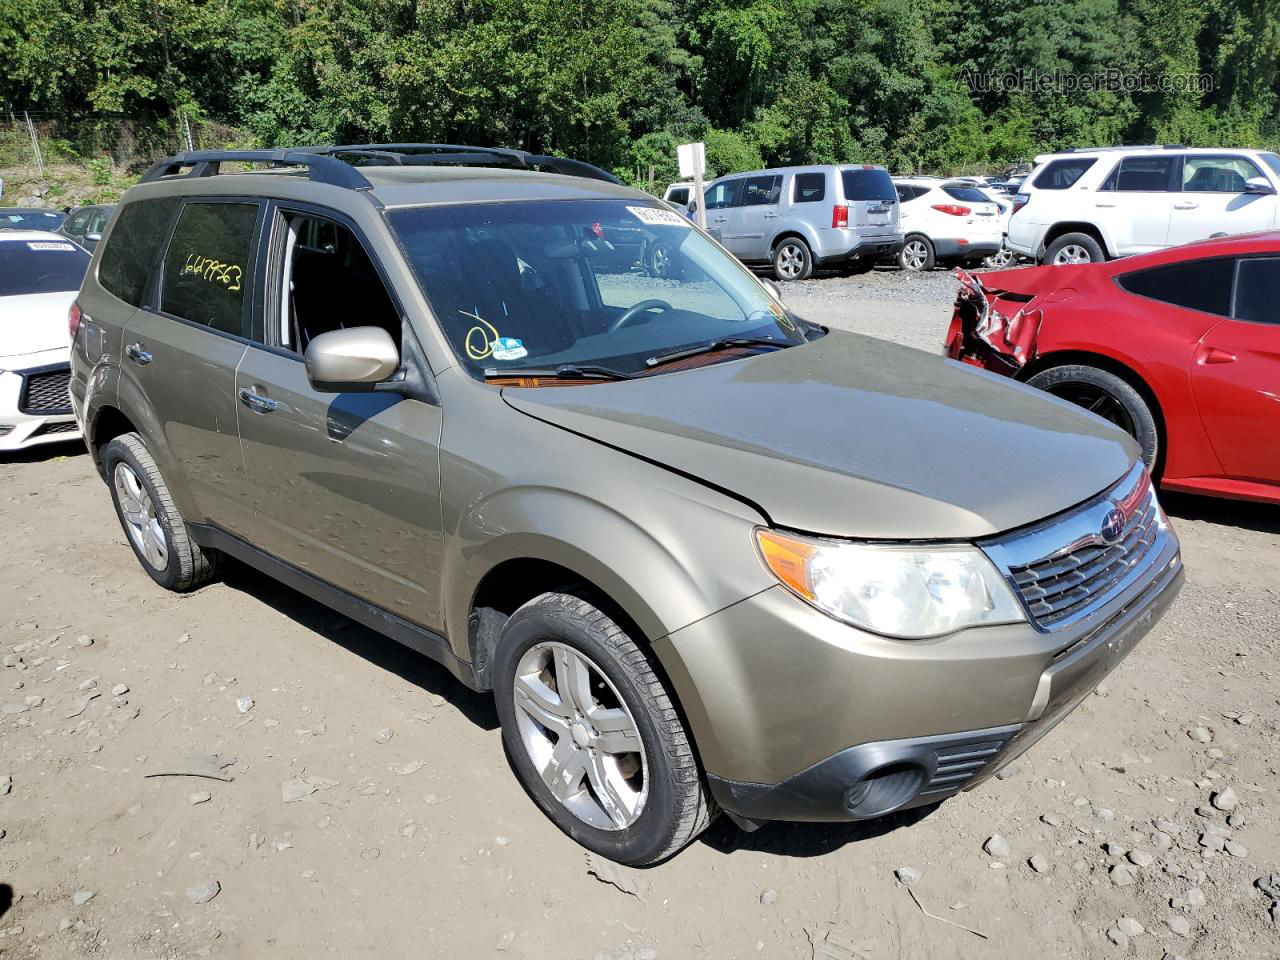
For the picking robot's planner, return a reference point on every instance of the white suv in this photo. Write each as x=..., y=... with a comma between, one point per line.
x=946, y=221
x=1089, y=205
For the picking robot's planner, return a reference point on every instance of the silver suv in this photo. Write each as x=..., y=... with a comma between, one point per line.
x=798, y=218
x=706, y=555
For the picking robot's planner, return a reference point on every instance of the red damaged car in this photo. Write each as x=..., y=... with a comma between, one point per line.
x=1181, y=348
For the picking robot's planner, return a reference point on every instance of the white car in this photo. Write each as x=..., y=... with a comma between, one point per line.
x=40, y=275
x=1091, y=205
x=679, y=194
x=946, y=221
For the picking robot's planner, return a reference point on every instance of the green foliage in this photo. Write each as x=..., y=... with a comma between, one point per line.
x=99, y=171
x=621, y=82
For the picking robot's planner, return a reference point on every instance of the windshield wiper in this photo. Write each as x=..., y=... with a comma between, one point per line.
x=565, y=371
x=714, y=346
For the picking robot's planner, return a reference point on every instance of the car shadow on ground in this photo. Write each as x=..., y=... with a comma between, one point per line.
x=806, y=839
x=382, y=652
x=45, y=452
x=1262, y=517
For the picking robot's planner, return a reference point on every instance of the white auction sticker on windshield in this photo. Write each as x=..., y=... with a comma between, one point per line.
x=48, y=245
x=658, y=218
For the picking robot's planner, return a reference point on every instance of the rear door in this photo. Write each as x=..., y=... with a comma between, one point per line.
x=753, y=222
x=181, y=348
x=1236, y=376
x=345, y=486
x=1135, y=201
x=1212, y=199
x=872, y=200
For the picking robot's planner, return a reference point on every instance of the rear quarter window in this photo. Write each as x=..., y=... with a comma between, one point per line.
x=873, y=184
x=1062, y=174
x=1203, y=285
x=130, y=248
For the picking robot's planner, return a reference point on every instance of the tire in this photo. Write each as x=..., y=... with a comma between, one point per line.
x=1110, y=397
x=792, y=259
x=917, y=254
x=659, y=803
x=158, y=535
x=1073, y=248
x=660, y=261
x=1001, y=259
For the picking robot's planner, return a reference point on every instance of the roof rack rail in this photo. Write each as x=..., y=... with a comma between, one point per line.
x=452, y=154
x=1136, y=146
x=321, y=167
x=324, y=165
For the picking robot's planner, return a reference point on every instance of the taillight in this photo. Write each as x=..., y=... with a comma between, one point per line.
x=954, y=209
x=73, y=320
x=1019, y=201
x=840, y=216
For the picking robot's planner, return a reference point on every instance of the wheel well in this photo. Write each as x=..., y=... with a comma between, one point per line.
x=109, y=424
x=1062, y=229
x=1111, y=365
x=513, y=583
x=791, y=235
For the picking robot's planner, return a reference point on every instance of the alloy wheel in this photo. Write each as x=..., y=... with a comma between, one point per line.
x=139, y=512
x=1097, y=401
x=580, y=736
x=790, y=261
x=915, y=255
x=1072, y=253
x=1001, y=258
x=661, y=262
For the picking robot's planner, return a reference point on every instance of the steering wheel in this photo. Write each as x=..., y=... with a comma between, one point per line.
x=633, y=311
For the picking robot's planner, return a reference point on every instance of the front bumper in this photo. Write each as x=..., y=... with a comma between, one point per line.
x=28, y=416
x=799, y=717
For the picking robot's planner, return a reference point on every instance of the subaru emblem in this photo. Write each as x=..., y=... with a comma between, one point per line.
x=1112, y=528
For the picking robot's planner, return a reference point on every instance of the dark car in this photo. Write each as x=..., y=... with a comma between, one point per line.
x=86, y=224
x=31, y=218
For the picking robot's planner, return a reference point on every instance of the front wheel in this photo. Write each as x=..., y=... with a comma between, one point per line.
x=916, y=254
x=1004, y=257
x=593, y=735
x=1110, y=397
x=792, y=259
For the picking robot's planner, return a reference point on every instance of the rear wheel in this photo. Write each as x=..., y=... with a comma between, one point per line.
x=1074, y=248
x=1110, y=397
x=151, y=522
x=792, y=259
x=592, y=732
x=1004, y=257
x=916, y=254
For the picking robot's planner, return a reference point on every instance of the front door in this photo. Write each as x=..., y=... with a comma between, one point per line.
x=1236, y=376
x=345, y=486
x=1213, y=200
x=722, y=200
x=756, y=219
x=181, y=348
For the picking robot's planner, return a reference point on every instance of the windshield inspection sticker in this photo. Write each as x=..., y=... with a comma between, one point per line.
x=658, y=218
x=46, y=245
x=508, y=348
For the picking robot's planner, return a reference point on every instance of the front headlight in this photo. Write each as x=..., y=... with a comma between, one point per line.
x=901, y=591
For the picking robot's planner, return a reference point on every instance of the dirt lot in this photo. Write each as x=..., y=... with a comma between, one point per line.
x=424, y=845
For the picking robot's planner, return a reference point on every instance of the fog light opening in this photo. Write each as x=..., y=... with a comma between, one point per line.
x=884, y=790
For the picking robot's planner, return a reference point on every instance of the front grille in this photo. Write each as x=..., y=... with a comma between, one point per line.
x=45, y=392
x=1065, y=569
x=958, y=763
x=67, y=426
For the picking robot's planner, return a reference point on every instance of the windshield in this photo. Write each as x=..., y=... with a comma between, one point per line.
x=607, y=283
x=1272, y=161
x=40, y=266
x=18, y=219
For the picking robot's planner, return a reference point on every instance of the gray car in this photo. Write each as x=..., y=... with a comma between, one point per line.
x=85, y=225
x=794, y=219
x=446, y=392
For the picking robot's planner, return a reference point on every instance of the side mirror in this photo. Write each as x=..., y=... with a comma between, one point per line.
x=358, y=358
x=93, y=237
x=1260, y=186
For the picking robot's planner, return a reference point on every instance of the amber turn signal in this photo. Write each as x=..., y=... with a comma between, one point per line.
x=788, y=558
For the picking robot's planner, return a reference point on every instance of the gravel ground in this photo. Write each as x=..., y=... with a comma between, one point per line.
x=365, y=806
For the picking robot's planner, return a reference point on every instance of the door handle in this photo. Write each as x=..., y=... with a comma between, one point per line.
x=1185, y=205
x=771, y=216
x=135, y=353
x=1104, y=206
x=256, y=401
x=1214, y=355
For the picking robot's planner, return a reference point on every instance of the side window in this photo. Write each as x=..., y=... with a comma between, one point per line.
x=810, y=187
x=761, y=191
x=328, y=283
x=131, y=247
x=1145, y=174
x=1258, y=290
x=206, y=267
x=98, y=222
x=1062, y=174
x=1203, y=285
x=726, y=193
x=1217, y=174
x=76, y=224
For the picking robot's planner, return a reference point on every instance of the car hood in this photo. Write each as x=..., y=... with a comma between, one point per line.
x=853, y=436
x=34, y=322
